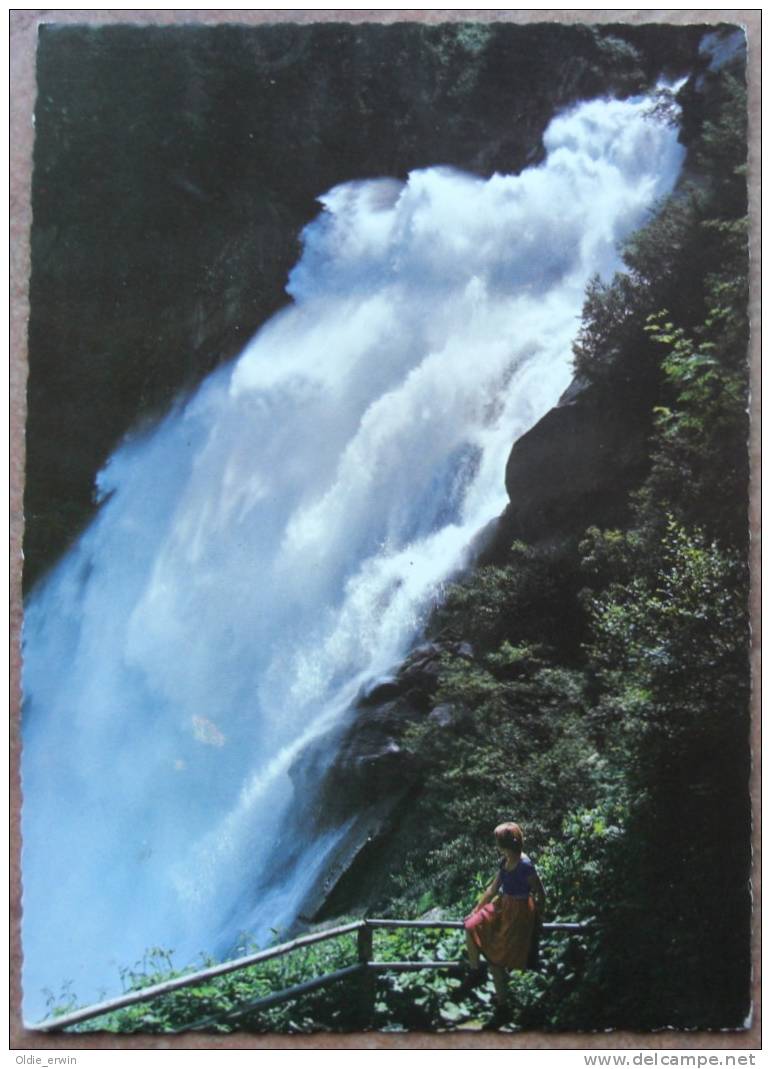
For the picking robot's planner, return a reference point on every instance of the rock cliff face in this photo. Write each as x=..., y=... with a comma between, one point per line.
x=175, y=167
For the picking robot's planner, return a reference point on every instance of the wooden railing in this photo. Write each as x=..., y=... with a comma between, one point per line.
x=364, y=966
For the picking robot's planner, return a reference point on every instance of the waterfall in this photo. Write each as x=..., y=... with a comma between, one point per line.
x=279, y=538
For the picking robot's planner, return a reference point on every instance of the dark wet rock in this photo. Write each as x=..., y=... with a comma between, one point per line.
x=382, y=691
x=574, y=468
x=443, y=715
x=353, y=854
x=364, y=761
x=363, y=774
x=420, y=672
x=362, y=764
x=422, y=668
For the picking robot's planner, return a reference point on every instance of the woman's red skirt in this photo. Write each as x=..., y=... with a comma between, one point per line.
x=503, y=930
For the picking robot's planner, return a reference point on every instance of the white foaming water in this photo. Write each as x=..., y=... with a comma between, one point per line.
x=279, y=539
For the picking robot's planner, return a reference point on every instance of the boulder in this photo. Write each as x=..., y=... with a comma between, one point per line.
x=444, y=716
x=575, y=466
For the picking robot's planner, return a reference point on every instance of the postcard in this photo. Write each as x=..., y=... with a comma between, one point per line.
x=385, y=660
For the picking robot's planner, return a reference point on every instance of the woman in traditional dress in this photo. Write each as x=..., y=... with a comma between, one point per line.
x=504, y=919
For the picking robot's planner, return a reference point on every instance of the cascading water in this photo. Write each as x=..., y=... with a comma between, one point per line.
x=278, y=539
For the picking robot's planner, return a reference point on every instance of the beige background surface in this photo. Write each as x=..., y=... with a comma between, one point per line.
x=23, y=32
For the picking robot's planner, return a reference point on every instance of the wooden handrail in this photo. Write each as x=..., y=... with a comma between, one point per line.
x=413, y=966
x=146, y=994
x=549, y=926
x=365, y=964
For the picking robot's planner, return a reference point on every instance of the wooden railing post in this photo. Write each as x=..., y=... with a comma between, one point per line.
x=367, y=988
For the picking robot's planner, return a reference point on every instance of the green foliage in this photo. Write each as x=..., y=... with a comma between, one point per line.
x=670, y=650
x=526, y=601
x=572, y=865
x=517, y=748
x=667, y=662
x=432, y=1000
x=609, y=338
x=692, y=612
x=608, y=556
x=486, y=608
x=215, y=998
x=700, y=457
x=722, y=147
x=691, y=256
